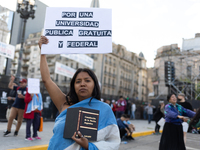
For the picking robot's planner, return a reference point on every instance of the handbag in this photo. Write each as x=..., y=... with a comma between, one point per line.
x=41, y=124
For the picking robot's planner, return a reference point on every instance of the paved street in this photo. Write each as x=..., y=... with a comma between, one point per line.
x=140, y=143
x=151, y=142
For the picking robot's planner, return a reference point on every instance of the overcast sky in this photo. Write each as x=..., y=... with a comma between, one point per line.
x=143, y=25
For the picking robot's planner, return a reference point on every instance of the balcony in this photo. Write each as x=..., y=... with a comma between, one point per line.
x=25, y=65
x=14, y=61
x=25, y=73
x=26, y=58
x=50, y=56
x=27, y=51
x=17, y=50
x=51, y=63
x=51, y=71
x=13, y=68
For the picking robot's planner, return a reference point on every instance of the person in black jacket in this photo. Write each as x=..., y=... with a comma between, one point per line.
x=158, y=115
x=187, y=105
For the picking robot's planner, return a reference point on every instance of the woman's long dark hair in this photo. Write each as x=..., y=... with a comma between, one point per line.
x=169, y=96
x=72, y=97
x=196, y=118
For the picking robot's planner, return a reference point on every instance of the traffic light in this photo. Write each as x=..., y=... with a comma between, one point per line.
x=169, y=72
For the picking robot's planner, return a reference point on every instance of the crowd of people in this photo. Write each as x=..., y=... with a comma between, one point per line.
x=114, y=123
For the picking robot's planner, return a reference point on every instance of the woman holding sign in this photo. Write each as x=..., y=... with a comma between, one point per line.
x=84, y=92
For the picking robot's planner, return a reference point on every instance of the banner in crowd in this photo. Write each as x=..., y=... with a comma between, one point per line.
x=81, y=58
x=64, y=70
x=77, y=30
x=33, y=86
x=7, y=50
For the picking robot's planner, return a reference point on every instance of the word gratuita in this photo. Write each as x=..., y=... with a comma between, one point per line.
x=98, y=33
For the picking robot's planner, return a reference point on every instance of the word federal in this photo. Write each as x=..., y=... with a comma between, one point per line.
x=94, y=24
x=58, y=32
x=82, y=44
x=98, y=33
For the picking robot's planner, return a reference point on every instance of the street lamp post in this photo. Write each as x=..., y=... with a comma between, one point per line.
x=26, y=9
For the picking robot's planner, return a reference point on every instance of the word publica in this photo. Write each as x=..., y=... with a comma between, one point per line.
x=74, y=14
x=82, y=44
x=98, y=33
x=94, y=24
x=58, y=32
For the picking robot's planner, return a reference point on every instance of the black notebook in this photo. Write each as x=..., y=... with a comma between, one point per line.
x=84, y=120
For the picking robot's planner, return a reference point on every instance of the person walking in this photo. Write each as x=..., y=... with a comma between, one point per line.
x=158, y=115
x=133, y=108
x=172, y=136
x=32, y=113
x=187, y=105
x=18, y=106
x=149, y=110
x=84, y=92
x=11, y=100
x=121, y=107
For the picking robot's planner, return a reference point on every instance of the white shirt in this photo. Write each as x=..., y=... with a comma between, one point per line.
x=133, y=107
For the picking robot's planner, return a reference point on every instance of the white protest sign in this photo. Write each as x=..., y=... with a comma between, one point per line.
x=77, y=30
x=33, y=86
x=81, y=58
x=64, y=70
x=7, y=50
x=161, y=122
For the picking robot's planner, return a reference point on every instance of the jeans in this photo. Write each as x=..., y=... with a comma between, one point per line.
x=36, y=124
x=133, y=114
x=150, y=116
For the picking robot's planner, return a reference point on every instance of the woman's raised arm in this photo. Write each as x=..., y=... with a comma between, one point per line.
x=57, y=96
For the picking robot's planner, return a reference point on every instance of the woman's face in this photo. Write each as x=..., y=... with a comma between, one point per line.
x=83, y=85
x=173, y=99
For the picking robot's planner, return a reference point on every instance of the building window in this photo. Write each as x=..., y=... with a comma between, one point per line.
x=104, y=79
x=110, y=59
x=56, y=77
x=71, y=65
x=33, y=70
x=76, y=65
x=105, y=58
x=109, y=70
x=108, y=80
x=105, y=68
x=113, y=71
x=92, y=56
x=108, y=91
x=65, y=79
x=189, y=71
x=113, y=82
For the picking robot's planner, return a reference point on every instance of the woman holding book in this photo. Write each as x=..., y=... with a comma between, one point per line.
x=84, y=92
x=172, y=136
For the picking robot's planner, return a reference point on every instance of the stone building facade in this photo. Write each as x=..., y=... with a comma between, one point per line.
x=187, y=71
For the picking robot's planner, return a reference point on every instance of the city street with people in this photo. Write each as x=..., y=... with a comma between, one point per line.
x=150, y=142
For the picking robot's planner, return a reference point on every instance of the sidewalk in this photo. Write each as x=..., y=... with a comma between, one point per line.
x=12, y=142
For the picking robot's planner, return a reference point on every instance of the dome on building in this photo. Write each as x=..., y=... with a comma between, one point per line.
x=141, y=54
x=95, y=4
